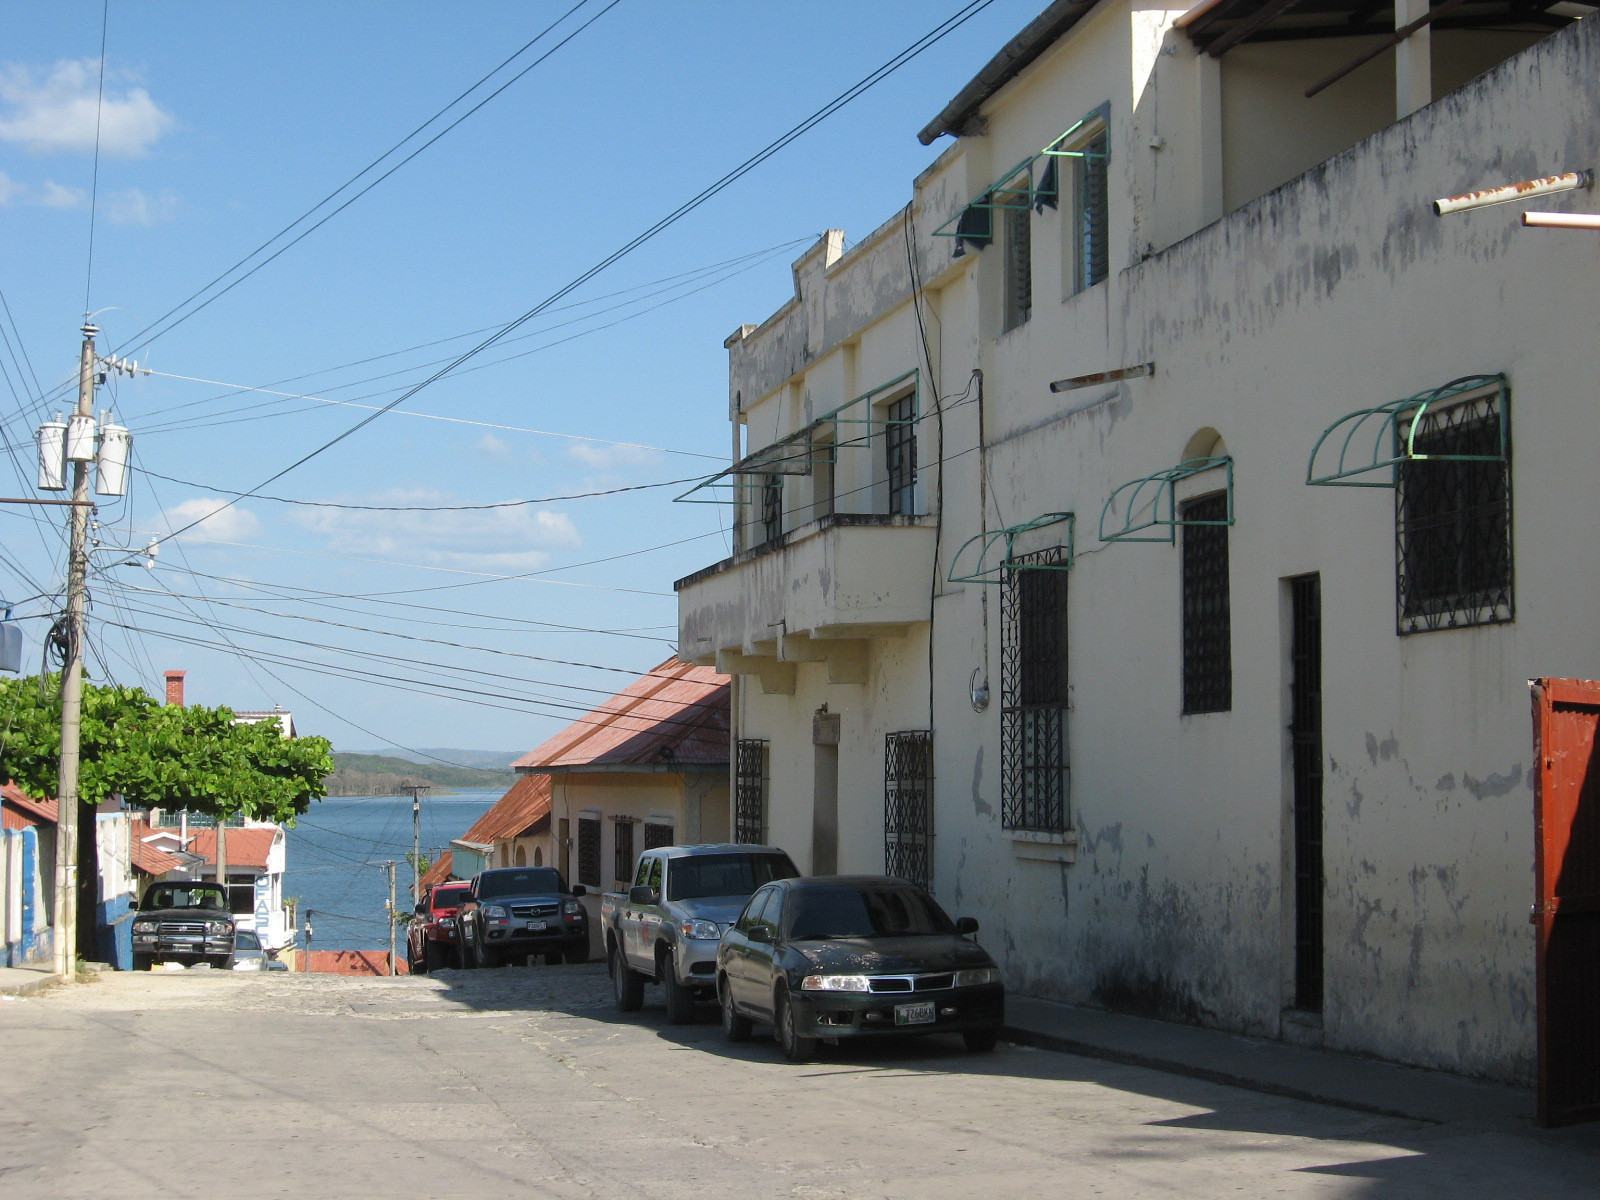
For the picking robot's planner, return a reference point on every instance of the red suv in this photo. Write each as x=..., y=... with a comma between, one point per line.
x=431, y=935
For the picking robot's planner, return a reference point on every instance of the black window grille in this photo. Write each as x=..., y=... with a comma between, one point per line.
x=1305, y=743
x=900, y=454
x=622, y=849
x=1033, y=681
x=656, y=835
x=750, y=791
x=908, y=806
x=771, y=507
x=589, y=852
x=1453, y=522
x=1207, y=618
x=1092, y=211
x=1018, y=281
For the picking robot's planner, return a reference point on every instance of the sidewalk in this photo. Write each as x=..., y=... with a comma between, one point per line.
x=24, y=981
x=1298, y=1072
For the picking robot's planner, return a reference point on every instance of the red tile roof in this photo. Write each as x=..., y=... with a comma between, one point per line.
x=440, y=871
x=675, y=714
x=21, y=811
x=246, y=847
x=353, y=962
x=522, y=810
x=150, y=858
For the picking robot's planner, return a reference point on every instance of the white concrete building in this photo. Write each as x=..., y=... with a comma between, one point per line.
x=1190, y=735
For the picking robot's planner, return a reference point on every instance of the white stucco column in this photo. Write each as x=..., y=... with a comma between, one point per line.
x=1413, y=60
x=1208, y=104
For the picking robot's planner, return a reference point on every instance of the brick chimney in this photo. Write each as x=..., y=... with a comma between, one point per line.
x=175, y=687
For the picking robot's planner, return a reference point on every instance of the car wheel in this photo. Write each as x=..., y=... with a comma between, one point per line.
x=143, y=962
x=414, y=964
x=220, y=962
x=795, y=1048
x=578, y=953
x=627, y=985
x=432, y=957
x=735, y=1025
x=463, y=957
x=680, y=1000
x=553, y=958
x=981, y=1041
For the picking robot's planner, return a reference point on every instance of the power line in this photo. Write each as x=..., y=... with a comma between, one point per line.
x=966, y=13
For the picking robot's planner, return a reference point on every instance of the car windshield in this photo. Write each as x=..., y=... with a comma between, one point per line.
x=534, y=881
x=448, y=897
x=725, y=874
x=864, y=912
x=186, y=895
x=245, y=940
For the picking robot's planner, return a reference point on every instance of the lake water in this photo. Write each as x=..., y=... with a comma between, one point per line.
x=337, y=850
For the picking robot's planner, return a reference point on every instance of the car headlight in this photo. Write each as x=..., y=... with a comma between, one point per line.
x=493, y=910
x=572, y=908
x=835, y=983
x=978, y=975
x=219, y=927
x=447, y=922
x=701, y=931
x=144, y=926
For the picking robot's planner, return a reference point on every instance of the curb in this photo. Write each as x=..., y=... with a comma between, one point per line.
x=1066, y=1045
x=31, y=987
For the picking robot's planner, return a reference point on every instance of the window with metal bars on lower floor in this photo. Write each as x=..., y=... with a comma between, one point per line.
x=589, y=852
x=657, y=835
x=1453, y=561
x=1207, y=614
x=1034, y=762
x=622, y=848
x=908, y=806
x=750, y=791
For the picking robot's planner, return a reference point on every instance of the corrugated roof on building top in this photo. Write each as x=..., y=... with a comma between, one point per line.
x=440, y=870
x=247, y=847
x=677, y=713
x=21, y=811
x=525, y=805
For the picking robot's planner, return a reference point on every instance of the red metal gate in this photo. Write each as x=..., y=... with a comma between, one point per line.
x=1566, y=720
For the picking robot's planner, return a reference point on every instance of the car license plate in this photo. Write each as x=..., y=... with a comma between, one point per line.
x=537, y=926
x=914, y=1014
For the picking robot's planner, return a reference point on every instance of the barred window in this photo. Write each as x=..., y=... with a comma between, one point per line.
x=1207, y=618
x=771, y=507
x=1453, y=521
x=908, y=806
x=1018, y=266
x=900, y=454
x=622, y=849
x=1033, y=713
x=589, y=852
x=1091, y=212
x=657, y=835
x=750, y=791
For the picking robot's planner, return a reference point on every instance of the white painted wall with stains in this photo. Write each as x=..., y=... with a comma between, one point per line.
x=1338, y=290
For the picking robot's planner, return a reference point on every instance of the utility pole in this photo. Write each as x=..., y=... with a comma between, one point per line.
x=389, y=868
x=416, y=790
x=66, y=924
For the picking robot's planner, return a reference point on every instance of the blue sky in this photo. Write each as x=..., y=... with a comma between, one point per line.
x=221, y=124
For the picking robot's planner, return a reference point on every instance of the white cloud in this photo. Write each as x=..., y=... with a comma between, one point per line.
x=55, y=195
x=8, y=189
x=56, y=113
x=602, y=457
x=223, y=524
x=503, y=541
x=494, y=449
x=135, y=206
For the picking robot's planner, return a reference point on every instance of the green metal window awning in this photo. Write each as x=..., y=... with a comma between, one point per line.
x=1016, y=188
x=1151, y=502
x=994, y=572
x=1392, y=429
x=800, y=452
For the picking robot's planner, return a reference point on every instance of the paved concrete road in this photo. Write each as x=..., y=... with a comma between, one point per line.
x=523, y=1082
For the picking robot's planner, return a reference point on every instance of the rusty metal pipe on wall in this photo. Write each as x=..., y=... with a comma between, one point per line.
x=1549, y=185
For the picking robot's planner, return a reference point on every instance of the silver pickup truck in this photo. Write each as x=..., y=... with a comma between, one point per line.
x=666, y=928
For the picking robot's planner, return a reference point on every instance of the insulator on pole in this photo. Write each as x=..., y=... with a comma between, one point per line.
x=111, y=465
x=53, y=455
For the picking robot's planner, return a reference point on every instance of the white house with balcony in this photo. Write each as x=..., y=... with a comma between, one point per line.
x=1144, y=538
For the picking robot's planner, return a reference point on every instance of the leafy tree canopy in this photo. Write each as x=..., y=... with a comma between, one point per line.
x=158, y=755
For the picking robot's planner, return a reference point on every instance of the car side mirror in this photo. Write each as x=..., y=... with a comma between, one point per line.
x=966, y=925
x=579, y=890
x=760, y=934
x=643, y=894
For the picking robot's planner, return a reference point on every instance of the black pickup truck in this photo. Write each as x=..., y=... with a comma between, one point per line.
x=183, y=921
x=511, y=912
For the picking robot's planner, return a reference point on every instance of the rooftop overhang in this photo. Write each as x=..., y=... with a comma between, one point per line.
x=667, y=767
x=1216, y=26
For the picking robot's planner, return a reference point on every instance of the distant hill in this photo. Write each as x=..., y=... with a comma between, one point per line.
x=383, y=775
x=432, y=756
